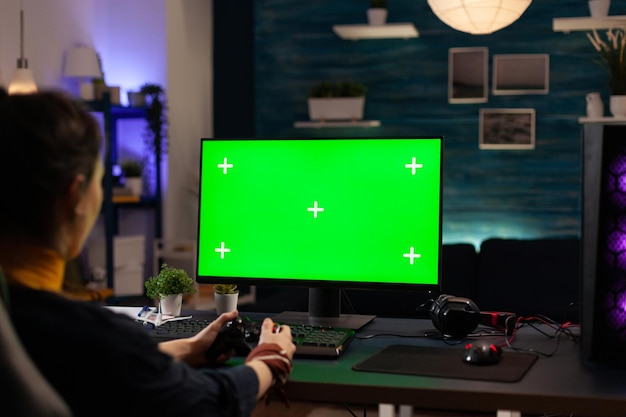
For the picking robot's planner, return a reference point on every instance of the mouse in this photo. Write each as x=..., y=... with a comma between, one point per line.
x=482, y=353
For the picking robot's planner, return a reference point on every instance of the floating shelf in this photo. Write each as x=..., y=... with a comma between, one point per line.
x=388, y=31
x=604, y=120
x=347, y=123
x=568, y=24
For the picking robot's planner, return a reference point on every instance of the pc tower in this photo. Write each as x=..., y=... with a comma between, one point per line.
x=603, y=231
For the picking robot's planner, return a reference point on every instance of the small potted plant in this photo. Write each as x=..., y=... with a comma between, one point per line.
x=132, y=170
x=377, y=12
x=168, y=287
x=226, y=297
x=344, y=100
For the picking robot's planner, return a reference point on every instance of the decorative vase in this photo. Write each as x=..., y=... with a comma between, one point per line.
x=136, y=99
x=595, y=107
x=226, y=302
x=599, y=8
x=172, y=304
x=376, y=16
x=617, y=106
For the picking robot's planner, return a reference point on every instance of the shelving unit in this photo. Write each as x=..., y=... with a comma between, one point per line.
x=111, y=115
x=388, y=31
x=347, y=123
x=568, y=24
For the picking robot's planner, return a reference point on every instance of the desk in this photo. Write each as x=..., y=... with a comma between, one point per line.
x=561, y=384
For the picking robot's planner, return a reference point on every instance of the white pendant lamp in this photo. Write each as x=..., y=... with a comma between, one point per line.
x=478, y=17
x=22, y=81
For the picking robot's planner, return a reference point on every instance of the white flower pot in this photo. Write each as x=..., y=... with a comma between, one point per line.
x=617, y=105
x=135, y=184
x=339, y=108
x=599, y=8
x=226, y=302
x=172, y=304
x=376, y=16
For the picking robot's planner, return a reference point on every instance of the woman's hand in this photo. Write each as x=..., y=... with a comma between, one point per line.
x=281, y=335
x=192, y=350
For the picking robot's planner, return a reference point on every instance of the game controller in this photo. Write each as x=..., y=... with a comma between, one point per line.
x=237, y=336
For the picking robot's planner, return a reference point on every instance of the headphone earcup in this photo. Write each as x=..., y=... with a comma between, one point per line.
x=454, y=316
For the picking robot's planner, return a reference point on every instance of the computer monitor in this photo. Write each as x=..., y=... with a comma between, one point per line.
x=326, y=213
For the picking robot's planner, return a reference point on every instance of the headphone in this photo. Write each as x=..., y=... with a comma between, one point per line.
x=454, y=316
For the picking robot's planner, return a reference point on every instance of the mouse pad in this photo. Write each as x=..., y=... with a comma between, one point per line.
x=445, y=363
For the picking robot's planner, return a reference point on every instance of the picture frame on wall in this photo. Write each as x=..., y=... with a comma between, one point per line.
x=507, y=129
x=521, y=74
x=468, y=79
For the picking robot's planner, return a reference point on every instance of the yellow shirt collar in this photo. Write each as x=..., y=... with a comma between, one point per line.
x=34, y=267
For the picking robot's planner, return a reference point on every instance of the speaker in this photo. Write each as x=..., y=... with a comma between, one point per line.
x=454, y=316
x=603, y=230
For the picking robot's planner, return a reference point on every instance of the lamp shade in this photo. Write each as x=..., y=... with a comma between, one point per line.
x=82, y=62
x=22, y=82
x=478, y=17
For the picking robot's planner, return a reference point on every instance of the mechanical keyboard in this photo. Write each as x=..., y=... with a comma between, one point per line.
x=311, y=341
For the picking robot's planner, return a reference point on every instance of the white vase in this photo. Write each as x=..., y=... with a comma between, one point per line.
x=595, y=107
x=617, y=106
x=226, y=302
x=599, y=8
x=376, y=16
x=171, y=304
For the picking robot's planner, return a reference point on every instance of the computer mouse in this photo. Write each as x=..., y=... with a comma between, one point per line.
x=482, y=353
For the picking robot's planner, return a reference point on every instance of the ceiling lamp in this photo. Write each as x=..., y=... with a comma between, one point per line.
x=478, y=17
x=22, y=81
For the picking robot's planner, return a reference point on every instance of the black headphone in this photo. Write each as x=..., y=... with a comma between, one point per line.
x=454, y=316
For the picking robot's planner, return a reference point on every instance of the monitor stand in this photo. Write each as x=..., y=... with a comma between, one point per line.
x=324, y=310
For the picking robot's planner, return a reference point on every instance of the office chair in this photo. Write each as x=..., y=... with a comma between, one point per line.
x=24, y=389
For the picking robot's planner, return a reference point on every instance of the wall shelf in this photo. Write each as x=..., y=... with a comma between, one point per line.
x=347, y=123
x=568, y=24
x=603, y=120
x=388, y=31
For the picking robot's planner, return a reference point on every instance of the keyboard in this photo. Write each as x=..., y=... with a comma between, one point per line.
x=311, y=341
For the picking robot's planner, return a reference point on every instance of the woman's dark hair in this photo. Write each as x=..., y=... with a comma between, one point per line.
x=46, y=139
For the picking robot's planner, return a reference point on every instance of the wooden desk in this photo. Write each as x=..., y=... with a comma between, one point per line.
x=563, y=383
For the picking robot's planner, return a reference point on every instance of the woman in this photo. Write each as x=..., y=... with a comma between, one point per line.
x=101, y=363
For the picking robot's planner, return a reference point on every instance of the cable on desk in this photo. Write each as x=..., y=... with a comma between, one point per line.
x=532, y=321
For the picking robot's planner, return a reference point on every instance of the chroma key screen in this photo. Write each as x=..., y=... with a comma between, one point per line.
x=349, y=211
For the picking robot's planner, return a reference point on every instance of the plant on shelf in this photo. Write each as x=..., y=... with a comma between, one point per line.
x=344, y=100
x=326, y=89
x=169, y=281
x=378, y=4
x=613, y=59
x=156, y=134
x=131, y=168
x=226, y=289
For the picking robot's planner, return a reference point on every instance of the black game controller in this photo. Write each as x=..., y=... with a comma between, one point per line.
x=232, y=337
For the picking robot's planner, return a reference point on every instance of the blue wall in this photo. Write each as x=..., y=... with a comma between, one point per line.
x=487, y=193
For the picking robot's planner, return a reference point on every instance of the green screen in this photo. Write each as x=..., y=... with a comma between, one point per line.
x=350, y=211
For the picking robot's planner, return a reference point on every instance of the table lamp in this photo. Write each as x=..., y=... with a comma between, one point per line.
x=82, y=62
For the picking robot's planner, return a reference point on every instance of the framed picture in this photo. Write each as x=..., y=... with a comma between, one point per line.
x=507, y=129
x=521, y=74
x=468, y=75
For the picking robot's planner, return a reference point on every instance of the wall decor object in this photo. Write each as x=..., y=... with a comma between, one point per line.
x=507, y=129
x=468, y=75
x=521, y=74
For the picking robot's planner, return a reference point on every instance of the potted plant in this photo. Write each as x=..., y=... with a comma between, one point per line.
x=168, y=287
x=337, y=101
x=377, y=12
x=132, y=170
x=226, y=297
x=156, y=134
x=612, y=58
